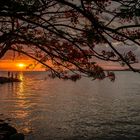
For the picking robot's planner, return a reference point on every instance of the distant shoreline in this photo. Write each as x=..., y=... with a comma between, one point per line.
x=8, y=80
x=120, y=70
x=46, y=71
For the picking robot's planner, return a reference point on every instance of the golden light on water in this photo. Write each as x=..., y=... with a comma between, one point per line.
x=20, y=76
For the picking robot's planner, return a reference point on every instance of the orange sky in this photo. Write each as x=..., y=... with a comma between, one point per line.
x=13, y=65
x=9, y=62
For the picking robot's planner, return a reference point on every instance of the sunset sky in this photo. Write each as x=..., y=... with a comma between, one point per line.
x=11, y=61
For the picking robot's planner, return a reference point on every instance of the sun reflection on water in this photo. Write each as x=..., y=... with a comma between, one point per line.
x=24, y=106
x=21, y=76
x=21, y=90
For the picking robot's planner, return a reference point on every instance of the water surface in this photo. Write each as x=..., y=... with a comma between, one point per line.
x=54, y=109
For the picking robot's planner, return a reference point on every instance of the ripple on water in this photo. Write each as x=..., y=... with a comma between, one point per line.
x=84, y=110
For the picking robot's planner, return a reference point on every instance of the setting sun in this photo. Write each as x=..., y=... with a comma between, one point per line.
x=21, y=65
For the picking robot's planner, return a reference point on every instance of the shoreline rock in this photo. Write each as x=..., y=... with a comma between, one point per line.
x=7, y=132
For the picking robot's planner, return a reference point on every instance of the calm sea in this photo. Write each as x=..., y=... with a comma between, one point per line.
x=53, y=109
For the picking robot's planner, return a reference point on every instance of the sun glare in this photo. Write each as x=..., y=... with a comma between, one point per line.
x=21, y=65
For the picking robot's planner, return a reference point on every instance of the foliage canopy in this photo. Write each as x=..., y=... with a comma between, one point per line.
x=68, y=33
